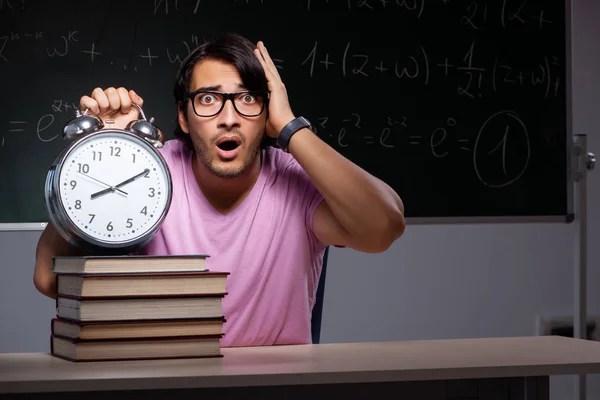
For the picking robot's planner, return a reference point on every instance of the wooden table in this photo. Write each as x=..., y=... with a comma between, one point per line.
x=473, y=369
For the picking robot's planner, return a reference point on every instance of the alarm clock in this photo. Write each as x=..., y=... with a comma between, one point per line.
x=109, y=190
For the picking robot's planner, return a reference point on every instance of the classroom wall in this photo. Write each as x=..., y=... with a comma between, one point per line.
x=438, y=281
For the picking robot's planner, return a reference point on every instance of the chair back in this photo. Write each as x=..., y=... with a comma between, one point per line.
x=318, y=307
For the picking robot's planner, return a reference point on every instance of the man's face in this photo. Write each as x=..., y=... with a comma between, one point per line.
x=227, y=143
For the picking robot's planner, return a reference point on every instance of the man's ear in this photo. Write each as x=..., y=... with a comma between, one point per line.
x=182, y=118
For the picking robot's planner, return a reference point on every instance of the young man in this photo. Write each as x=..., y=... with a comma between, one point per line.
x=263, y=214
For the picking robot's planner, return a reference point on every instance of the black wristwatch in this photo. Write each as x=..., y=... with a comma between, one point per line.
x=289, y=129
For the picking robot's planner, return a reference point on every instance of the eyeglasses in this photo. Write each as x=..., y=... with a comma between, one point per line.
x=209, y=103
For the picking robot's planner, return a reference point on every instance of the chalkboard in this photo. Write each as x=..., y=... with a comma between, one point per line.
x=461, y=106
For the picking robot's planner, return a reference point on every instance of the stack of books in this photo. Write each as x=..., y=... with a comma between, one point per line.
x=137, y=307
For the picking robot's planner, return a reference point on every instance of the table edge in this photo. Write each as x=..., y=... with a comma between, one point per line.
x=287, y=379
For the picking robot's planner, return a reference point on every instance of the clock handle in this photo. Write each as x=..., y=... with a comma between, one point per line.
x=146, y=128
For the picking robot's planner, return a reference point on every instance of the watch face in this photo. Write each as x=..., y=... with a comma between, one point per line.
x=114, y=187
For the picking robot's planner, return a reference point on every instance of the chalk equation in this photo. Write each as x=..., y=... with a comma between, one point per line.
x=44, y=127
x=67, y=44
x=475, y=14
x=417, y=7
x=472, y=72
x=499, y=148
x=172, y=7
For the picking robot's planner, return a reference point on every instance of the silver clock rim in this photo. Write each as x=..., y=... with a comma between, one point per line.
x=63, y=223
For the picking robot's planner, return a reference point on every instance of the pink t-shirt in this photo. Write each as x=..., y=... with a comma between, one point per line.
x=266, y=243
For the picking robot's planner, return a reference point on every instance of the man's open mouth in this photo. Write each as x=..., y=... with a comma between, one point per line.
x=228, y=143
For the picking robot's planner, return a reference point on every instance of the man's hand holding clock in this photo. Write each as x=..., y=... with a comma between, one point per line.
x=114, y=107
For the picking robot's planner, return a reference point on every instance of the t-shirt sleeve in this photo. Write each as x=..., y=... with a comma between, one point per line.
x=309, y=199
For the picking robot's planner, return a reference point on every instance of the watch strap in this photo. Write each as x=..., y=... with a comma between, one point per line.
x=283, y=140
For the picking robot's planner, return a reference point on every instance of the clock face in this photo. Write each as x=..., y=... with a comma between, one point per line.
x=114, y=188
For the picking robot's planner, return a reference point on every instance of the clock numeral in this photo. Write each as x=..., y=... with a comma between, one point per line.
x=73, y=184
x=78, y=204
x=91, y=219
x=144, y=211
x=109, y=227
x=84, y=168
x=151, y=192
x=133, y=155
x=129, y=223
x=147, y=174
x=99, y=154
x=115, y=151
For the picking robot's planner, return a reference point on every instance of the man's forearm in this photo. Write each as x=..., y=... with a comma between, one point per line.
x=364, y=205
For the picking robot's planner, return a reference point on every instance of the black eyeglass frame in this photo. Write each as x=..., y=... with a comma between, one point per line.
x=229, y=96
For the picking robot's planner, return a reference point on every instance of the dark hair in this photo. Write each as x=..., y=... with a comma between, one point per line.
x=230, y=48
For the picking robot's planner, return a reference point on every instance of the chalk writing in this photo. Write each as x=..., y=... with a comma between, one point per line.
x=43, y=124
x=351, y=62
x=414, y=6
x=13, y=126
x=3, y=40
x=12, y=4
x=68, y=45
x=541, y=75
x=480, y=14
x=474, y=74
x=92, y=52
x=63, y=48
x=500, y=151
x=500, y=132
x=185, y=6
x=438, y=136
x=44, y=127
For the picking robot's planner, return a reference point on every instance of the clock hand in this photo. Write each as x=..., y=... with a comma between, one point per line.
x=104, y=191
x=105, y=184
x=133, y=178
x=116, y=187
